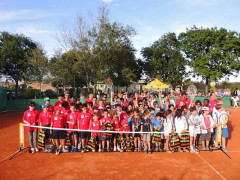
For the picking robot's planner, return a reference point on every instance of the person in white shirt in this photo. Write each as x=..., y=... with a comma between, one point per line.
x=181, y=126
x=194, y=128
x=206, y=124
x=168, y=128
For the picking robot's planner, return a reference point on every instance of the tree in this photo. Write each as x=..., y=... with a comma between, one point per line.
x=164, y=60
x=14, y=50
x=212, y=53
x=39, y=62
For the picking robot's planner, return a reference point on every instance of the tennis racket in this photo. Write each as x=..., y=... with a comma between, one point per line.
x=192, y=91
x=222, y=121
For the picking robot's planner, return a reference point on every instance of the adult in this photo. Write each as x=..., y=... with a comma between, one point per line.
x=58, y=104
x=168, y=99
x=90, y=98
x=67, y=98
x=212, y=101
x=184, y=99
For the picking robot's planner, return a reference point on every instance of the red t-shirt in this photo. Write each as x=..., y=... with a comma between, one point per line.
x=90, y=111
x=96, y=126
x=115, y=123
x=72, y=117
x=88, y=100
x=123, y=115
x=139, y=99
x=31, y=117
x=45, y=118
x=65, y=113
x=84, y=120
x=186, y=101
x=212, y=104
x=58, y=104
x=58, y=121
x=105, y=120
x=124, y=122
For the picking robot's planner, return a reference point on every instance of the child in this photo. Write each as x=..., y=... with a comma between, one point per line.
x=116, y=127
x=157, y=126
x=106, y=119
x=123, y=114
x=136, y=126
x=30, y=117
x=198, y=106
x=58, y=135
x=130, y=117
x=194, y=129
x=168, y=128
x=181, y=126
x=146, y=126
x=151, y=115
x=206, y=125
x=216, y=118
x=45, y=120
x=96, y=126
x=84, y=122
x=72, y=124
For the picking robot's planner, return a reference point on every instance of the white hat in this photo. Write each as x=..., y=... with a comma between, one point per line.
x=205, y=109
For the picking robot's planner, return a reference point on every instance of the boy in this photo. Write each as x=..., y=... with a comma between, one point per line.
x=30, y=117
x=116, y=127
x=45, y=120
x=136, y=126
x=50, y=107
x=72, y=124
x=106, y=119
x=58, y=135
x=207, y=125
x=217, y=120
x=123, y=114
x=152, y=116
x=84, y=122
x=96, y=126
x=146, y=126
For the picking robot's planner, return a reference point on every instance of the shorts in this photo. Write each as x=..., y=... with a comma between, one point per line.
x=73, y=133
x=84, y=134
x=47, y=132
x=58, y=134
x=137, y=135
x=193, y=132
x=225, y=132
x=205, y=137
x=146, y=137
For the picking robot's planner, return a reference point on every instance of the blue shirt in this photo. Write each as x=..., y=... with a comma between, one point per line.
x=130, y=123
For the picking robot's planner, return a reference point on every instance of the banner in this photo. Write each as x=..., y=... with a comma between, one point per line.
x=21, y=135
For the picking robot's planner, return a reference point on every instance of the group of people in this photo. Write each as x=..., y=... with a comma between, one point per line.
x=142, y=123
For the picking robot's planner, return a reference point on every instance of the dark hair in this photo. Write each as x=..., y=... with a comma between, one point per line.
x=162, y=111
x=145, y=112
x=31, y=103
x=105, y=110
x=169, y=111
x=60, y=95
x=198, y=101
x=158, y=114
x=65, y=104
x=170, y=105
x=136, y=110
x=179, y=113
x=183, y=107
x=124, y=108
x=192, y=109
x=121, y=99
x=84, y=105
x=184, y=93
x=72, y=104
x=129, y=113
x=151, y=109
x=90, y=104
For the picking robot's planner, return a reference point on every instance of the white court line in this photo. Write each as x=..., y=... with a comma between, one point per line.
x=209, y=165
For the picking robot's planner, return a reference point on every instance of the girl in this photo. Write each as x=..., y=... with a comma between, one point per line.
x=146, y=126
x=194, y=129
x=181, y=127
x=198, y=106
x=72, y=124
x=168, y=128
x=96, y=126
x=136, y=126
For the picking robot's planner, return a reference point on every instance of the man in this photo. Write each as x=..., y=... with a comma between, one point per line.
x=67, y=98
x=90, y=98
x=184, y=99
x=58, y=104
x=168, y=99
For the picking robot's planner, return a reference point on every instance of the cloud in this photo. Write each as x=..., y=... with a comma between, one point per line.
x=107, y=1
x=30, y=29
x=22, y=14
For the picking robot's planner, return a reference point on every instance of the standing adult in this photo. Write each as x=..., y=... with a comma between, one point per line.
x=58, y=104
x=67, y=98
x=90, y=98
x=184, y=99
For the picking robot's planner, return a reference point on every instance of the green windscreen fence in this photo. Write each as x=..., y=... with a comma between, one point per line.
x=22, y=104
x=3, y=98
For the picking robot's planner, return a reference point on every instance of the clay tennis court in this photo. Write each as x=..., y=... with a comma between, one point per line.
x=130, y=165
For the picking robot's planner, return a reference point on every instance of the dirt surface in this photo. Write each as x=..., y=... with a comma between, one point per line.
x=130, y=165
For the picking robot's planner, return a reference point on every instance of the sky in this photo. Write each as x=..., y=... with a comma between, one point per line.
x=40, y=19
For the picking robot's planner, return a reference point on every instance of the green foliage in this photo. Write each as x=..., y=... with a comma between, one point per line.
x=212, y=53
x=14, y=50
x=164, y=60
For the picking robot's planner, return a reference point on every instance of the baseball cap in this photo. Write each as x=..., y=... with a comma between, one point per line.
x=100, y=108
x=205, y=109
x=46, y=99
x=95, y=107
x=44, y=105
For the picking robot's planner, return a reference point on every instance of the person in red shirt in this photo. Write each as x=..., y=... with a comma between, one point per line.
x=90, y=109
x=136, y=96
x=95, y=110
x=59, y=102
x=96, y=126
x=50, y=107
x=106, y=119
x=31, y=117
x=45, y=120
x=84, y=122
x=58, y=135
x=72, y=124
x=212, y=101
x=64, y=110
x=116, y=127
x=123, y=114
x=90, y=98
x=184, y=99
x=67, y=98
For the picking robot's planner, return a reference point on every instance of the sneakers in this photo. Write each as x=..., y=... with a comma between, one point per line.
x=83, y=150
x=156, y=150
x=65, y=150
x=93, y=150
x=136, y=150
x=73, y=149
x=32, y=150
x=108, y=150
x=115, y=149
x=149, y=151
x=225, y=149
x=57, y=152
x=203, y=148
x=100, y=150
x=36, y=150
x=207, y=148
x=195, y=149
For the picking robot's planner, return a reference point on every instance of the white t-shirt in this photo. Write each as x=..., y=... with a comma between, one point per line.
x=194, y=123
x=181, y=124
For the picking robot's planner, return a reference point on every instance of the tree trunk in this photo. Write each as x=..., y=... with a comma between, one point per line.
x=206, y=88
x=95, y=89
x=16, y=88
x=40, y=84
